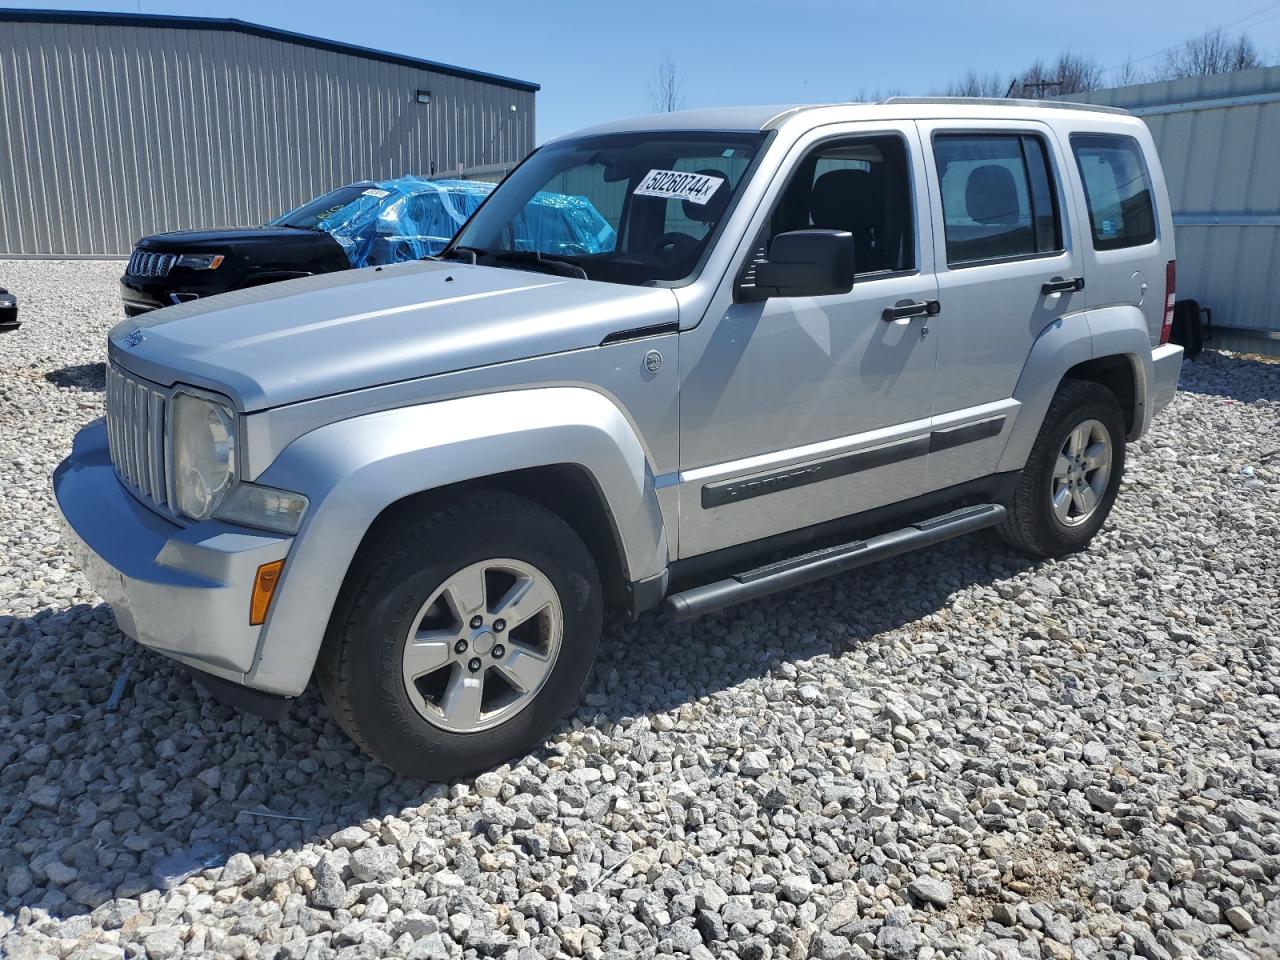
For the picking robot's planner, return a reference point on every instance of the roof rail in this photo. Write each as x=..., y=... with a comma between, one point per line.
x=1009, y=102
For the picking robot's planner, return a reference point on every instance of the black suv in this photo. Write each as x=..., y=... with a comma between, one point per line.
x=170, y=268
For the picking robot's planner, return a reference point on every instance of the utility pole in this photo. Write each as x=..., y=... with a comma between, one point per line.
x=1039, y=86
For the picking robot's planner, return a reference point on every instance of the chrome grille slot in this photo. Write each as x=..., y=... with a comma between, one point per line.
x=136, y=414
x=146, y=264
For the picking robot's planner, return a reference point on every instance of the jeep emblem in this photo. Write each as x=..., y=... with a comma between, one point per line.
x=135, y=338
x=653, y=361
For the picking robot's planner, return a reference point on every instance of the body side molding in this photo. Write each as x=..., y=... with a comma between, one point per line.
x=735, y=489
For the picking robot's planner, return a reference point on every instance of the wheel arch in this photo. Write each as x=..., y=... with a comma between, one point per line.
x=571, y=449
x=566, y=489
x=1120, y=374
x=1110, y=346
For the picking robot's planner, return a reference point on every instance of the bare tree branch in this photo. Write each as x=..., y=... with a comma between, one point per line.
x=975, y=84
x=1210, y=54
x=666, y=92
x=1129, y=74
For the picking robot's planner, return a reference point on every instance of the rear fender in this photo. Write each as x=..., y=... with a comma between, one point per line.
x=1070, y=340
x=353, y=469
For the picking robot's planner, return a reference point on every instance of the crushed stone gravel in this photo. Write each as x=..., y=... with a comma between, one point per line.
x=959, y=753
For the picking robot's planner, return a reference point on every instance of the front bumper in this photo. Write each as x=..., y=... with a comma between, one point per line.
x=182, y=591
x=1166, y=363
x=142, y=296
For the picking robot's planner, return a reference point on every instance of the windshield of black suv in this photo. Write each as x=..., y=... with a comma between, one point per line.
x=634, y=208
x=313, y=214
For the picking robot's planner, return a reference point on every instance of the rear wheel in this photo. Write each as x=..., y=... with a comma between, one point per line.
x=1071, y=478
x=463, y=636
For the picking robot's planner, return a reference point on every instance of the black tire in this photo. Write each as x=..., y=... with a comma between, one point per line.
x=1032, y=524
x=360, y=663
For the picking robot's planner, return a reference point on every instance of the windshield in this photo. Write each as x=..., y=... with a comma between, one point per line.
x=635, y=208
x=313, y=214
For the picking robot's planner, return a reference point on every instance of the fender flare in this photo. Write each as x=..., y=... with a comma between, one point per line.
x=1065, y=343
x=354, y=469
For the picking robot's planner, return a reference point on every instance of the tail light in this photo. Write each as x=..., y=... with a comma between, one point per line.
x=1170, y=278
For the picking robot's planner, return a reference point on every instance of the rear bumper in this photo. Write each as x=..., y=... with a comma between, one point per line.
x=1166, y=364
x=182, y=591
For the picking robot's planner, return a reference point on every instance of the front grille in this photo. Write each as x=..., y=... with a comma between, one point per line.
x=144, y=264
x=136, y=412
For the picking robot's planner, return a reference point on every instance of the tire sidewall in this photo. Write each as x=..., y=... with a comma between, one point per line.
x=1100, y=406
x=389, y=723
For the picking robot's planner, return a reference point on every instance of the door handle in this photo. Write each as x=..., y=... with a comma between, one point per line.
x=912, y=308
x=1059, y=285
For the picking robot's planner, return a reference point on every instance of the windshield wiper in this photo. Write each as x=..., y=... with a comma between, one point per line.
x=534, y=258
x=468, y=254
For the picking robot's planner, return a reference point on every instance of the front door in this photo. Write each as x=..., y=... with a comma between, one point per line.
x=1008, y=267
x=804, y=409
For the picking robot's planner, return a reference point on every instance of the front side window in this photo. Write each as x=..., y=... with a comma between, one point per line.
x=1117, y=190
x=998, y=200
x=860, y=185
x=634, y=208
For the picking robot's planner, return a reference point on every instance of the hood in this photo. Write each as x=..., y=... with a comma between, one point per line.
x=335, y=332
x=183, y=240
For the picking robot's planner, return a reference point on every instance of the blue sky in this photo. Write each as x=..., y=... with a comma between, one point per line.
x=594, y=60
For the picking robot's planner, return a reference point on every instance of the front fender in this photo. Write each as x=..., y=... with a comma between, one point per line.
x=353, y=469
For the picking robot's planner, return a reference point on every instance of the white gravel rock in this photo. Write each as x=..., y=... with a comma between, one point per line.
x=957, y=754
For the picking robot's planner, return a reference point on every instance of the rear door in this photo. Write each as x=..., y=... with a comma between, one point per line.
x=1008, y=267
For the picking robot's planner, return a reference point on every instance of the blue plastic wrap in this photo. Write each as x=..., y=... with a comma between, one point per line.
x=405, y=219
x=411, y=218
x=560, y=223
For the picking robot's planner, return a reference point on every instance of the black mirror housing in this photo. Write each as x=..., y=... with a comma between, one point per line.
x=807, y=263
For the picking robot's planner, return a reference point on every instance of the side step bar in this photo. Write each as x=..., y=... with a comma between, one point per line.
x=794, y=571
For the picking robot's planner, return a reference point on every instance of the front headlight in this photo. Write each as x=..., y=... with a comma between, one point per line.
x=204, y=454
x=201, y=261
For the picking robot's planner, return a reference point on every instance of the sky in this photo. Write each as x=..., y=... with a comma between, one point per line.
x=595, y=61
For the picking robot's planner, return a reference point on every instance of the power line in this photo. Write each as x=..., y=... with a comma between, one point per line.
x=1263, y=14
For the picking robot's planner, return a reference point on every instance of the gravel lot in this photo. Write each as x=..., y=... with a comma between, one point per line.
x=958, y=753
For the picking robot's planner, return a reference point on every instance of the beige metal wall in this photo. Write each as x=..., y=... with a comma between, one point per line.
x=1219, y=143
x=114, y=131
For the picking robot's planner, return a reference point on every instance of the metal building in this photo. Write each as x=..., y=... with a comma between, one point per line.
x=1219, y=142
x=113, y=126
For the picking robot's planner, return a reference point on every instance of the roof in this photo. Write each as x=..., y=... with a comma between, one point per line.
x=771, y=117
x=256, y=29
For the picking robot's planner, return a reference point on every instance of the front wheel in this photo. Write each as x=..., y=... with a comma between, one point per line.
x=463, y=636
x=1071, y=478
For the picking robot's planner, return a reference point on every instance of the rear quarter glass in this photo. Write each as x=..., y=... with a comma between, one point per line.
x=1117, y=189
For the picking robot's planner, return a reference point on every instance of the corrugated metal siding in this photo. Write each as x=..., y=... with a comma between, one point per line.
x=120, y=131
x=1219, y=143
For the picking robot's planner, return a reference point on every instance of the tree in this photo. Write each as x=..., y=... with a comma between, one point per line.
x=1127, y=74
x=1070, y=73
x=666, y=92
x=975, y=84
x=1211, y=53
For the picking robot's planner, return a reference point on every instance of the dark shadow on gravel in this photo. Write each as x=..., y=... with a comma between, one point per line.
x=170, y=781
x=1247, y=379
x=81, y=376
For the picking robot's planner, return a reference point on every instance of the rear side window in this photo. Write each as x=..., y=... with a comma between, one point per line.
x=998, y=199
x=1117, y=190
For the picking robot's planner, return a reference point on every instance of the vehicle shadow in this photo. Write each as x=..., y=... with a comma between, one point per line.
x=1250, y=379
x=100, y=799
x=81, y=376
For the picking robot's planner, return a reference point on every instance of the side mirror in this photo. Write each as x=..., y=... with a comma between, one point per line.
x=806, y=263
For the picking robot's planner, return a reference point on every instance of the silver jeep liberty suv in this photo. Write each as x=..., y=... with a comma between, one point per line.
x=817, y=335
